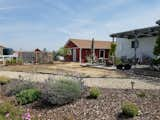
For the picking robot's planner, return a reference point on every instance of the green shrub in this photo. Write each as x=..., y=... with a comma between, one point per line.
x=2, y=117
x=60, y=91
x=16, y=86
x=13, y=112
x=129, y=109
x=94, y=93
x=27, y=96
x=118, y=61
x=141, y=94
x=156, y=61
x=4, y=80
x=156, y=50
x=19, y=61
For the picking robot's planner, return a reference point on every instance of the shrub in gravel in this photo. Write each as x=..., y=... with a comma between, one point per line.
x=94, y=93
x=129, y=109
x=61, y=90
x=4, y=80
x=16, y=86
x=141, y=94
x=9, y=112
x=27, y=96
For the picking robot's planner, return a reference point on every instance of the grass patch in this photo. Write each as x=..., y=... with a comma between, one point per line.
x=4, y=80
x=9, y=112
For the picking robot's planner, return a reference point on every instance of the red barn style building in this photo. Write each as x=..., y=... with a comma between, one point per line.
x=81, y=49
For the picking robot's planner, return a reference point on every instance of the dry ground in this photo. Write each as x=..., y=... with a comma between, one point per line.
x=65, y=67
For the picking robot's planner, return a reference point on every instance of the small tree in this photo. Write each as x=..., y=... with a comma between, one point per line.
x=63, y=51
x=54, y=54
x=156, y=51
x=112, y=51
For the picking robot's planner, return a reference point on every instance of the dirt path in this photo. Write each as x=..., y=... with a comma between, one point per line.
x=117, y=83
x=67, y=67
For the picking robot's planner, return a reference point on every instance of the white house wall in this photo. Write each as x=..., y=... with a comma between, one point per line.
x=146, y=46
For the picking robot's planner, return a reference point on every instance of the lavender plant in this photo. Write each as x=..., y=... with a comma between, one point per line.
x=61, y=90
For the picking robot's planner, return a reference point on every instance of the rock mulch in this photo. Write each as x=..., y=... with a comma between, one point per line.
x=144, y=74
x=106, y=107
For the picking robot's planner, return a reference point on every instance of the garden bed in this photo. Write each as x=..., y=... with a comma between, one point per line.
x=67, y=98
x=106, y=107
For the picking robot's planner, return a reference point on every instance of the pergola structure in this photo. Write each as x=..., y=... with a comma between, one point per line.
x=158, y=22
x=138, y=33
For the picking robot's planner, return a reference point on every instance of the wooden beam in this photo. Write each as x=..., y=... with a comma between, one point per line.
x=80, y=55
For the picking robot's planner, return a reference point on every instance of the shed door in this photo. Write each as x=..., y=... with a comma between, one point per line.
x=102, y=54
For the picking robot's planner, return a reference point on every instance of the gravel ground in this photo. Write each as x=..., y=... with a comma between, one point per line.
x=118, y=83
x=106, y=107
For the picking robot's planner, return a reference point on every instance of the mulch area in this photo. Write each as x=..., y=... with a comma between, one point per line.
x=106, y=107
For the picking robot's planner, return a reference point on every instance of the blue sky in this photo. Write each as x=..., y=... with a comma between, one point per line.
x=29, y=24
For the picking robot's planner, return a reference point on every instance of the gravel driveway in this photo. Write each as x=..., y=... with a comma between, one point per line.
x=117, y=83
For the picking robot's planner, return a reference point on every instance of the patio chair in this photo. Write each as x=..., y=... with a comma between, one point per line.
x=108, y=62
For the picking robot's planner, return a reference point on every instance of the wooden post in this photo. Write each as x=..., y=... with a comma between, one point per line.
x=113, y=57
x=113, y=39
x=135, y=47
x=4, y=62
x=80, y=55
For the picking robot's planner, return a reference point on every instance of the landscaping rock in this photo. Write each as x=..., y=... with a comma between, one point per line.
x=106, y=107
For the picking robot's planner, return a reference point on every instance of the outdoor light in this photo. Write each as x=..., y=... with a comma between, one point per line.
x=158, y=22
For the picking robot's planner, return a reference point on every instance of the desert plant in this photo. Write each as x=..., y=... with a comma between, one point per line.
x=27, y=96
x=129, y=109
x=10, y=112
x=141, y=94
x=94, y=93
x=4, y=80
x=62, y=90
x=16, y=86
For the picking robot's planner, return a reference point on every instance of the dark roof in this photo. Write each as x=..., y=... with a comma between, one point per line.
x=87, y=43
x=158, y=22
x=143, y=32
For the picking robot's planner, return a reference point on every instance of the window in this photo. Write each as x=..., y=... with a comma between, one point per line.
x=102, y=53
x=133, y=44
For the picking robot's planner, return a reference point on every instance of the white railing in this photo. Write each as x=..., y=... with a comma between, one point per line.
x=7, y=57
